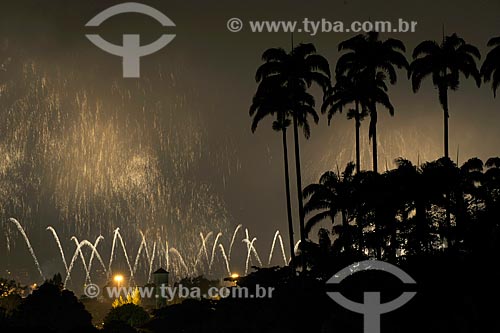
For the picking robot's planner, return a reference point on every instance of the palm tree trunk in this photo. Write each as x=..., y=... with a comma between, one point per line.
x=345, y=232
x=299, y=189
x=421, y=230
x=358, y=125
x=374, y=140
x=461, y=219
x=378, y=234
x=373, y=130
x=446, y=115
x=394, y=237
x=360, y=235
x=288, y=200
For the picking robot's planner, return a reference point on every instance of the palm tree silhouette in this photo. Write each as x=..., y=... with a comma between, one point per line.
x=271, y=99
x=332, y=195
x=360, y=90
x=296, y=71
x=444, y=62
x=347, y=90
x=490, y=70
x=400, y=213
x=377, y=60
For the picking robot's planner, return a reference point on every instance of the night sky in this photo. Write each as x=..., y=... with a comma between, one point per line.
x=210, y=72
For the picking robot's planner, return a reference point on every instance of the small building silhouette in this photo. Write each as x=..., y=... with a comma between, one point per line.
x=160, y=278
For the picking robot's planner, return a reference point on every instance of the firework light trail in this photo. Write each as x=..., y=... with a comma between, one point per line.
x=88, y=159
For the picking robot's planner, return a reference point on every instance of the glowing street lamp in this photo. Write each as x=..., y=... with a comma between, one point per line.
x=232, y=278
x=118, y=279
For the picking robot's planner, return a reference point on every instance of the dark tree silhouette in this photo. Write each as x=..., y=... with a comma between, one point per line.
x=130, y=314
x=491, y=184
x=416, y=192
x=490, y=70
x=273, y=99
x=403, y=212
x=347, y=90
x=49, y=308
x=116, y=326
x=377, y=59
x=332, y=196
x=359, y=89
x=296, y=71
x=444, y=63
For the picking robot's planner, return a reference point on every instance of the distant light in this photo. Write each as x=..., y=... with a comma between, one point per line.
x=235, y=275
x=118, y=278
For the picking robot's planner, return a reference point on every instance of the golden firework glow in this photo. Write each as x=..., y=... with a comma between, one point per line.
x=118, y=278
